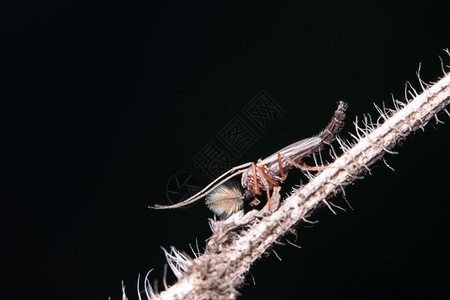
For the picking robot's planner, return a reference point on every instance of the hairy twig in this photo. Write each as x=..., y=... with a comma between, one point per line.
x=240, y=240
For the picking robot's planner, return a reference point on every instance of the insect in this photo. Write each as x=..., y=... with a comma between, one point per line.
x=225, y=198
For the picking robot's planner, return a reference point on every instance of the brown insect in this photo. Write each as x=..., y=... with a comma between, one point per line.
x=224, y=198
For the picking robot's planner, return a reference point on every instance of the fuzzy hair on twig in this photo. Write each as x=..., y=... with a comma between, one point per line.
x=237, y=242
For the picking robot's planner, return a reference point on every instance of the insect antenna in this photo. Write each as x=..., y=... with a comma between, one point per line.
x=226, y=199
x=208, y=189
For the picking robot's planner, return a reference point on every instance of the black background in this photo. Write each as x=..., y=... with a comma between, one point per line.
x=104, y=101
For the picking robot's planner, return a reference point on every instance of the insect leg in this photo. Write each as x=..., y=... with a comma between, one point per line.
x=265, y=179
x=274, y=201
x=271, y=180
x=303, y=166
x=280, y=164
x=255, y=180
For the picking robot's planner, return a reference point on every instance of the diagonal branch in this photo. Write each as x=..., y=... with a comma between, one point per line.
x=240, y=240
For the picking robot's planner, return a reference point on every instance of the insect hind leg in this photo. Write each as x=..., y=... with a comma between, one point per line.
x=303, y=166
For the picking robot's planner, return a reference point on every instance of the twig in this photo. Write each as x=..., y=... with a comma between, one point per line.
x=236, y=243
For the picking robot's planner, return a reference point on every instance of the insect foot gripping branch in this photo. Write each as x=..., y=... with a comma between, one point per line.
x=225, y=198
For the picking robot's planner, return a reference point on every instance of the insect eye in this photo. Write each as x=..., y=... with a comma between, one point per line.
x=248, y=195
